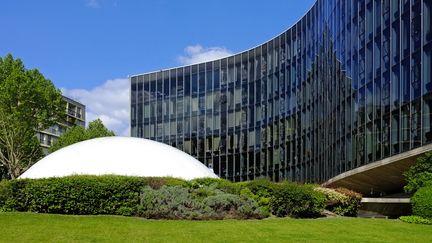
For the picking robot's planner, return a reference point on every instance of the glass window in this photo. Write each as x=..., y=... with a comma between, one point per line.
x=416, y=25
x=427, y=119
x=216, y=75
x=237, y=96
x=159, y=87
x=179, y=106
x=216, y=121
x=201, y=103
x=194, y=125
x=180, y=90
x=186, y=126
x=395, y=88
x=416, y=76
x=171, y=107
x=209, y=76
x=194, y=104
x=209, y=123
x=209, y=101
x=405, y=81
x=377, y=56
x=224, y=72
x=231, y=70
x=377, y=15
x=395, y=133
x=201, y=78
x=395, y=8
x=173, y=83
x=187, y=85
x=405, y=128
x=427, y=21
x=406, y=35
x=201, y=124
x=194, y=80
x=166, y=85
x=216, y=101
x=230, y=98
x=427, y=64
x=395, y=42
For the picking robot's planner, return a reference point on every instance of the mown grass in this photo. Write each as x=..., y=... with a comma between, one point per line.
x=30, y=227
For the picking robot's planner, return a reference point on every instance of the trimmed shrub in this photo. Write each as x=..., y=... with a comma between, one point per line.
x=221, y=184
x=78, y=194
x=171, y=202
x=298, y=201
x=260, y=187
x=422, y=202
x=174, y=202
x=233, y=206
x=415, y=220
x=351, y=207
x=260, y=190
x=11, y=198
x=341, y=201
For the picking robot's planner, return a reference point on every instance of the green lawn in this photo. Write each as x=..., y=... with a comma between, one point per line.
x=29, y=227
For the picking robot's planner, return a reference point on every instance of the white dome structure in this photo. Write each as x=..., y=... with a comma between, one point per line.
x=119, y=156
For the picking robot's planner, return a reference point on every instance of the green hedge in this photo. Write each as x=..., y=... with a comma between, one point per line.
x=294, y=200
x=121, y=195
x=78, y=194
x=415, y=220
x=422, y=202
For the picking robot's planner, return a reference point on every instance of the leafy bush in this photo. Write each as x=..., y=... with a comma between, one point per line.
x=259, y=190
x=259, y=187
x=77, y=194
x=221, y=184
x=10, y=195
x=418, y=181
x=350, y=204
x=174, y=202
x=415, y=220
x=171, y=202
x=233, y=206
x=299, y=201
x=419, y=174
x=422, y=202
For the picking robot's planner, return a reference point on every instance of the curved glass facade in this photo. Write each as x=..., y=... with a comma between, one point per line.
x=349, y=84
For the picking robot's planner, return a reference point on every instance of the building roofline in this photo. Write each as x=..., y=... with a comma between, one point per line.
x=235, y=54
x=74, y=101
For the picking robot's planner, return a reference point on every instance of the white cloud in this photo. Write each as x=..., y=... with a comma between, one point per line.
x=109, y=102
x=198, y=53
x=92, y=3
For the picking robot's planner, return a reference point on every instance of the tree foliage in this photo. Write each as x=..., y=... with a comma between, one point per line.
x=77, y=134
x=28, y=102
x=420, y=174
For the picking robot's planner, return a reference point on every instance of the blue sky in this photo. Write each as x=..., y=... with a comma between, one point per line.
x=88, y=47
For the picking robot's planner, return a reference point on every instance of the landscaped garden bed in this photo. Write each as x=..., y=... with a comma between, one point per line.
x=169, y=198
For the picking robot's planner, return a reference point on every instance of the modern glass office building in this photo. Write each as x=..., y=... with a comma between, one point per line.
x=349, y=84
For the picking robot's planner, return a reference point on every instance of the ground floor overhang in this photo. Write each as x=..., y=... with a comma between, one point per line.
x=379, y=178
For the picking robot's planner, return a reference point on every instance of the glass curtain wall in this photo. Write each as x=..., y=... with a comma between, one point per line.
x=347, y=85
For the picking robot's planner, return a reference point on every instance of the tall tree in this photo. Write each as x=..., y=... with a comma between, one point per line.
x=77, y=134
x=28, y=102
